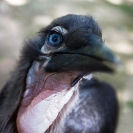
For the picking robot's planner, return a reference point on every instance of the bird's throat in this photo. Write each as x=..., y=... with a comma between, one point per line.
x=44, y=97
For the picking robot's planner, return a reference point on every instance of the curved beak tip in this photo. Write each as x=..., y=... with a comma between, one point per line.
x=116, y=66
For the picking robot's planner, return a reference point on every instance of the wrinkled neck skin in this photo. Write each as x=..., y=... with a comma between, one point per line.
x=47, y=100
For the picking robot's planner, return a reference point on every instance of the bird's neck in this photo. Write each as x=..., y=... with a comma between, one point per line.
x=47, y=100
x=58, y=125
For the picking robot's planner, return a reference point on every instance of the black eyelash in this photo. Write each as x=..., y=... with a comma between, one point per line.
x=51, y=31
x=44, y=32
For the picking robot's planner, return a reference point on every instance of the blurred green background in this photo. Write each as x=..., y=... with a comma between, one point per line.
x=22, y=19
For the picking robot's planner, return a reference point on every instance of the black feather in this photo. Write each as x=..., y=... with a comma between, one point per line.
x=96, y=110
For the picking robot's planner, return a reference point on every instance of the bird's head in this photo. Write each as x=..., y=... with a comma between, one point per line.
x=71, y=47
x=74, y=43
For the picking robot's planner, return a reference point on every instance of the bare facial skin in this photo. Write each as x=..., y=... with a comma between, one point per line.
x=44, y=93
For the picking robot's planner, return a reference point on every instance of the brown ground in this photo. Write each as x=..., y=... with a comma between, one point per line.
x=116, y=20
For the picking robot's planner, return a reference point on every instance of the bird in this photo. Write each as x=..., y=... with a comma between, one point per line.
x=51, y=89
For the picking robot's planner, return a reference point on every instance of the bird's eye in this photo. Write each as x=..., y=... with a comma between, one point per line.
x=55, y=39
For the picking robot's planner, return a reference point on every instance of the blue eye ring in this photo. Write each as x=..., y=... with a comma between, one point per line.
x=55, y=39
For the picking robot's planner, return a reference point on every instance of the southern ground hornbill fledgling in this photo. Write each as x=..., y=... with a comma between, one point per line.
x=49, y=90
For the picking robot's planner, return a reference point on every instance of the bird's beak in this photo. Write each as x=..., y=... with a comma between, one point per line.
x=86, y=54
